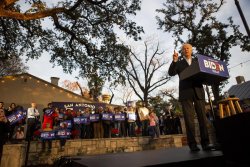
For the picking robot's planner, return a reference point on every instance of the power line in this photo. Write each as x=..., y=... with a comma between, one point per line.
x=238, y=64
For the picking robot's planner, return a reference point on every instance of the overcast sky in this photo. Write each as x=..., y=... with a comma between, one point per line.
x=42, y=68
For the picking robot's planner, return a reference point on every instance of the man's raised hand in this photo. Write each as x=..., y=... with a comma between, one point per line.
x=175, y=56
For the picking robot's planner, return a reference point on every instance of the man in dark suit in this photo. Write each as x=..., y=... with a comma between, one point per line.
x=192, y=98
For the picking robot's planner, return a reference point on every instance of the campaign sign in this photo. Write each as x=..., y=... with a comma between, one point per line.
x=119, y=117
x=67, y=122
x=94, y=117
x=131, y=116
x=15, y=117
x=213, y=66
x=48, y=135
x=48, y=112
x=81, y=120
x=107, y=116
x=63, y=134
x=205, y=70
x=24, y=113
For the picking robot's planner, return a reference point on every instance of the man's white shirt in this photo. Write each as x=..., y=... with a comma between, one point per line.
x=32, y=113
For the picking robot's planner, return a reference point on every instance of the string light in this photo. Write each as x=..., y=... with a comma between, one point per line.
x=38, y=81
x=240, y=64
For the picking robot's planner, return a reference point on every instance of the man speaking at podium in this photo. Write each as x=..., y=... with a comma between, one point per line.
x=192, y=98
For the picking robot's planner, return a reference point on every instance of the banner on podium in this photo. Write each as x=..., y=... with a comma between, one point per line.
x=206, y=70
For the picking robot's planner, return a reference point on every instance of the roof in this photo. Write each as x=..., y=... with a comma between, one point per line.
x=242, y=91
x=46, y=82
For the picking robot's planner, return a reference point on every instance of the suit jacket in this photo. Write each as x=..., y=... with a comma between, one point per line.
x=188, y=89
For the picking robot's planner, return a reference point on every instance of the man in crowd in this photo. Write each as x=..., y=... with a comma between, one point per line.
x=32, y=117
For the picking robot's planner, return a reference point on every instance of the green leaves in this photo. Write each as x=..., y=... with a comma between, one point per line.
x=77, y=35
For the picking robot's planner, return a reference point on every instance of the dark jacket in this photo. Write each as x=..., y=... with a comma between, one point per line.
x=187, y=88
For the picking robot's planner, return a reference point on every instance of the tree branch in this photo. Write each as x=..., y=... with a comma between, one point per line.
x=32, y=16
x=6, y=3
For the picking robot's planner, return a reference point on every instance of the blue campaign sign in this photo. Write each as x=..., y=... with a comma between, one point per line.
x=63, y=134
x=119, y=117
x=81, y=120
x=68, y=124
x=94, y=117
x=15, y=117
x=48, y=111
x=213, y=66
x=46, y=135
x=107, y=116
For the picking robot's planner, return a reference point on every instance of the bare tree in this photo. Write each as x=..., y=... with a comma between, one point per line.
x=75, y=86
x=144, y=73
x=126, y=93
x=169, y=92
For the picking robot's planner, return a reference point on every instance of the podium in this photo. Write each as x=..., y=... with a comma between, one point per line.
x=206, y=70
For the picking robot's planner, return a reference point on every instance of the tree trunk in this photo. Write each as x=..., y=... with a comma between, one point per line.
x=216, y=92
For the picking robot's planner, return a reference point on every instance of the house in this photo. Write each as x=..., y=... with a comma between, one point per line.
x=25, y=88
x=242, y=91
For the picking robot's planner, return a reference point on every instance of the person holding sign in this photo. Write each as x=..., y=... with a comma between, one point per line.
x=98, y=128
x=107, y=118
x=192, y=98
x=47, y=139
x=48, y=117
x=77, y=125
x=143, y=113
x=118, y=118
x=86, y=132
x=131, y=121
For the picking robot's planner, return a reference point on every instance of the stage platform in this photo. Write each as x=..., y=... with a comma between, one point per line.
x=171, y=157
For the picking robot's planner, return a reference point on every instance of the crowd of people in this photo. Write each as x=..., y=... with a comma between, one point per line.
x=100, y=122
